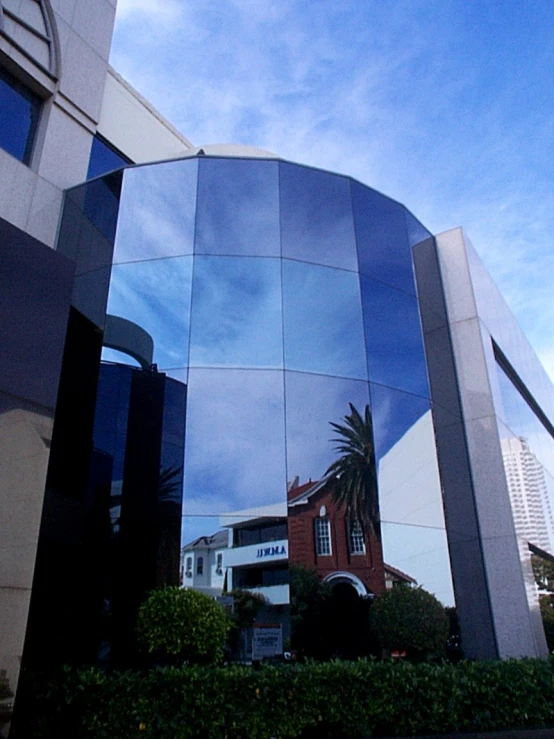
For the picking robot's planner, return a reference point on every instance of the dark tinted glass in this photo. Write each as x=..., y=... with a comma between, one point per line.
x=394, y=341
x=384, y=251
x=104, y=158
x=99, y=201
x=323, y=328
x=156, y=296
x=316, y=217
x=238, y=210
x=19, y=114
x=157, y=211
x=235, y=441
x=236, y=312
x=90, y=293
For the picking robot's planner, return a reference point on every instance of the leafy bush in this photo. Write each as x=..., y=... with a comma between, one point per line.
x=183, y=626
x=334, y=699
x=411, y=620
x=246, y=607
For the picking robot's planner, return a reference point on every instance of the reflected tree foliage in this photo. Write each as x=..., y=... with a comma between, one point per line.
x=355, y=470
x=543, y=570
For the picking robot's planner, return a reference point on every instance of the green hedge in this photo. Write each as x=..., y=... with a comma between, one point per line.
x=336, y=699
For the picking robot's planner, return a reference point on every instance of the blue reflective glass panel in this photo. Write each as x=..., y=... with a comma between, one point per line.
x=531, y=489
x=384, y=251
x=236, y=312
x=394, y=340
x=420, y=554
x=323, y=327
x=235, y=439
x=408, y=473
x=117, y=357
x=156, y=296
x=19, y=114
x=313, y=402
x=238, y=207
x=316, y=217
x=416, y=230
x=394, y=414
x=524, y=423
x=104, y=158
x=156, y=217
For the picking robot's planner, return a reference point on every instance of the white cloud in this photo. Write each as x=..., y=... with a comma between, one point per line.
x=156, y=10
x=408, y=97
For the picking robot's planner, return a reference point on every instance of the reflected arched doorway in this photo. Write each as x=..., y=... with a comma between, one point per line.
x=350, y=615
x=345, y=582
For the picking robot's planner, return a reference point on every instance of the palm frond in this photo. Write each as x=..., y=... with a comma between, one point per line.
x=354, y=472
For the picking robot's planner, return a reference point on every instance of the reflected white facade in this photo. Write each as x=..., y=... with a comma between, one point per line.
x=528, y=493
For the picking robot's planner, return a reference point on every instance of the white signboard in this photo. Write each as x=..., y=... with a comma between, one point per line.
x=267, y=641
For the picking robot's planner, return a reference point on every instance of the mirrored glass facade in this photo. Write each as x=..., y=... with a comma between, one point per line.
x=284, y=298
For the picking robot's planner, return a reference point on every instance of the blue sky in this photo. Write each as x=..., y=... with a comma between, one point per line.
x=445, y=105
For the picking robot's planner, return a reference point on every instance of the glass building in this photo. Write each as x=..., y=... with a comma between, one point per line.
x=281, y=297
x=228, y=315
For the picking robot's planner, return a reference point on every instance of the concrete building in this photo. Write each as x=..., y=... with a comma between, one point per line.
x=273, y=295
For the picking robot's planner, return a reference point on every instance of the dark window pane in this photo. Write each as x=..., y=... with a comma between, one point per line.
x=384, y=251
x=394, y=339
x=236, y=312
x=238, y=209
x=104, y=158
x=19, y=113
x=99, y=201
x=316, y=217
x=323, y=327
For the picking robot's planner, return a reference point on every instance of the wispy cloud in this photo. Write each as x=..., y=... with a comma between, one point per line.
x=445, y=106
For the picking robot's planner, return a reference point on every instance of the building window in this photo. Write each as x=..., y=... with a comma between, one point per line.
x=19, y=114
x=219, y=564
x=188, y=567
x=322, y=536
x=356, y=541
x=104, y=158
x=200, y=565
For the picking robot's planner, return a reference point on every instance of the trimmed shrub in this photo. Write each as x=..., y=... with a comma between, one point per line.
x=334, y=699
x=411, y=620
x=183, y=626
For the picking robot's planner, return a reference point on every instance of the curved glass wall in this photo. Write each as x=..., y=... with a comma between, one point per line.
x=284, y=297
